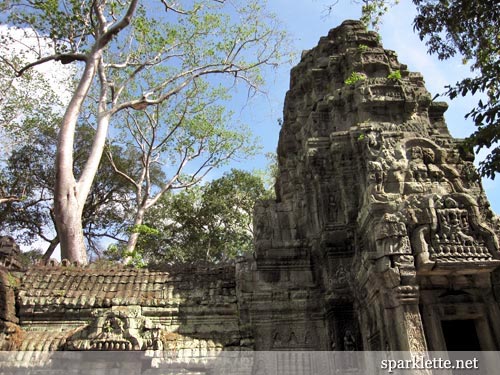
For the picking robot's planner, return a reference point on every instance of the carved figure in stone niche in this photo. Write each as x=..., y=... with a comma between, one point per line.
x=371, y=143
x=349, y=341
x=391, y=235
x=453, y=228
x=376, y=175
x=333, y=208
x=113, y=326
x=277, y=340
x=435, y=173
x=396, y=163
x=341, y=275
x=454, y=238
x=391, y=225
x=428, y=156
x=418, y=170
x=417, y=153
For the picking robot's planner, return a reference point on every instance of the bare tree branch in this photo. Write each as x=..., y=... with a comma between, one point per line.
x=9, y=199
x=65, y=58
x=119, y=26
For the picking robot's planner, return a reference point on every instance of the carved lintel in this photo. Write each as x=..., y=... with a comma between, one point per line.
x=455, y=239
x=120, y=328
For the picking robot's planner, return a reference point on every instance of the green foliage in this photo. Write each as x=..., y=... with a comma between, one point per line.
x=354, y=78
x=28, y=103
x=362, y=47
x=395, y=75
x=469, y=28
x=211, y=223
x=144, y=229
x=372, y=12
x=270, y=175
x=29, y=172
x=12, y=281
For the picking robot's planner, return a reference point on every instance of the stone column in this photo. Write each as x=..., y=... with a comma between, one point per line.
x=404, y=315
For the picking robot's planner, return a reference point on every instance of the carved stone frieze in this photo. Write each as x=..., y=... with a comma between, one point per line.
x=456, y=237
x=119, y=328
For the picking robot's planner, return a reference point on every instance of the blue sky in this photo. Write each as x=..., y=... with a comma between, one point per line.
x=306, y=21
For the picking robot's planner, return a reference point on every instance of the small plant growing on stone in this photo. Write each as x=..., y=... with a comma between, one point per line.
x=362, y=47
x=361, y=137
x=395, y=75
x=354, y=77
x=12, y=280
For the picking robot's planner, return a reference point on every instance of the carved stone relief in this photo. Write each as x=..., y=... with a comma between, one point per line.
x=391, y=236
x=120, y=328
x=414, y=331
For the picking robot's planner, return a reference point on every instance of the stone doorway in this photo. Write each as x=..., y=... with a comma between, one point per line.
x=460, y=335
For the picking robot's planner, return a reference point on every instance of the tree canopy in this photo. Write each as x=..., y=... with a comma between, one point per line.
x=211, y=223
x=29, y=174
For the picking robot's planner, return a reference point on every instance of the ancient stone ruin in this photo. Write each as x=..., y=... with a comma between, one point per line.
x=381, y=238
x=9, y=253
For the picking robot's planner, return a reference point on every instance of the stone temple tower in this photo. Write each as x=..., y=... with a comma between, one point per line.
x=381, y=237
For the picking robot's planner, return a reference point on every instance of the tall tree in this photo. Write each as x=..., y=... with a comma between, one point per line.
x=29, y=174
x=138, y=55
x=191, y=135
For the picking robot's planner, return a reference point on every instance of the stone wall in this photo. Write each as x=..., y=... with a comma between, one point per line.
x=185, y=310
x=10, y=336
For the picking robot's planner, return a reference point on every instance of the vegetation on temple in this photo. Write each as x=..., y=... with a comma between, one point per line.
x=469, y=29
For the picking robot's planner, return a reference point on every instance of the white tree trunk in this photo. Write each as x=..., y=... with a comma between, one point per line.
x=69, y=225
x=68, y=202
x=70, y=195
x=132, y=240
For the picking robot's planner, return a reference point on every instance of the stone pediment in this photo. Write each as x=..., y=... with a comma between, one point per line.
x=118, y=328
x=455, y=240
